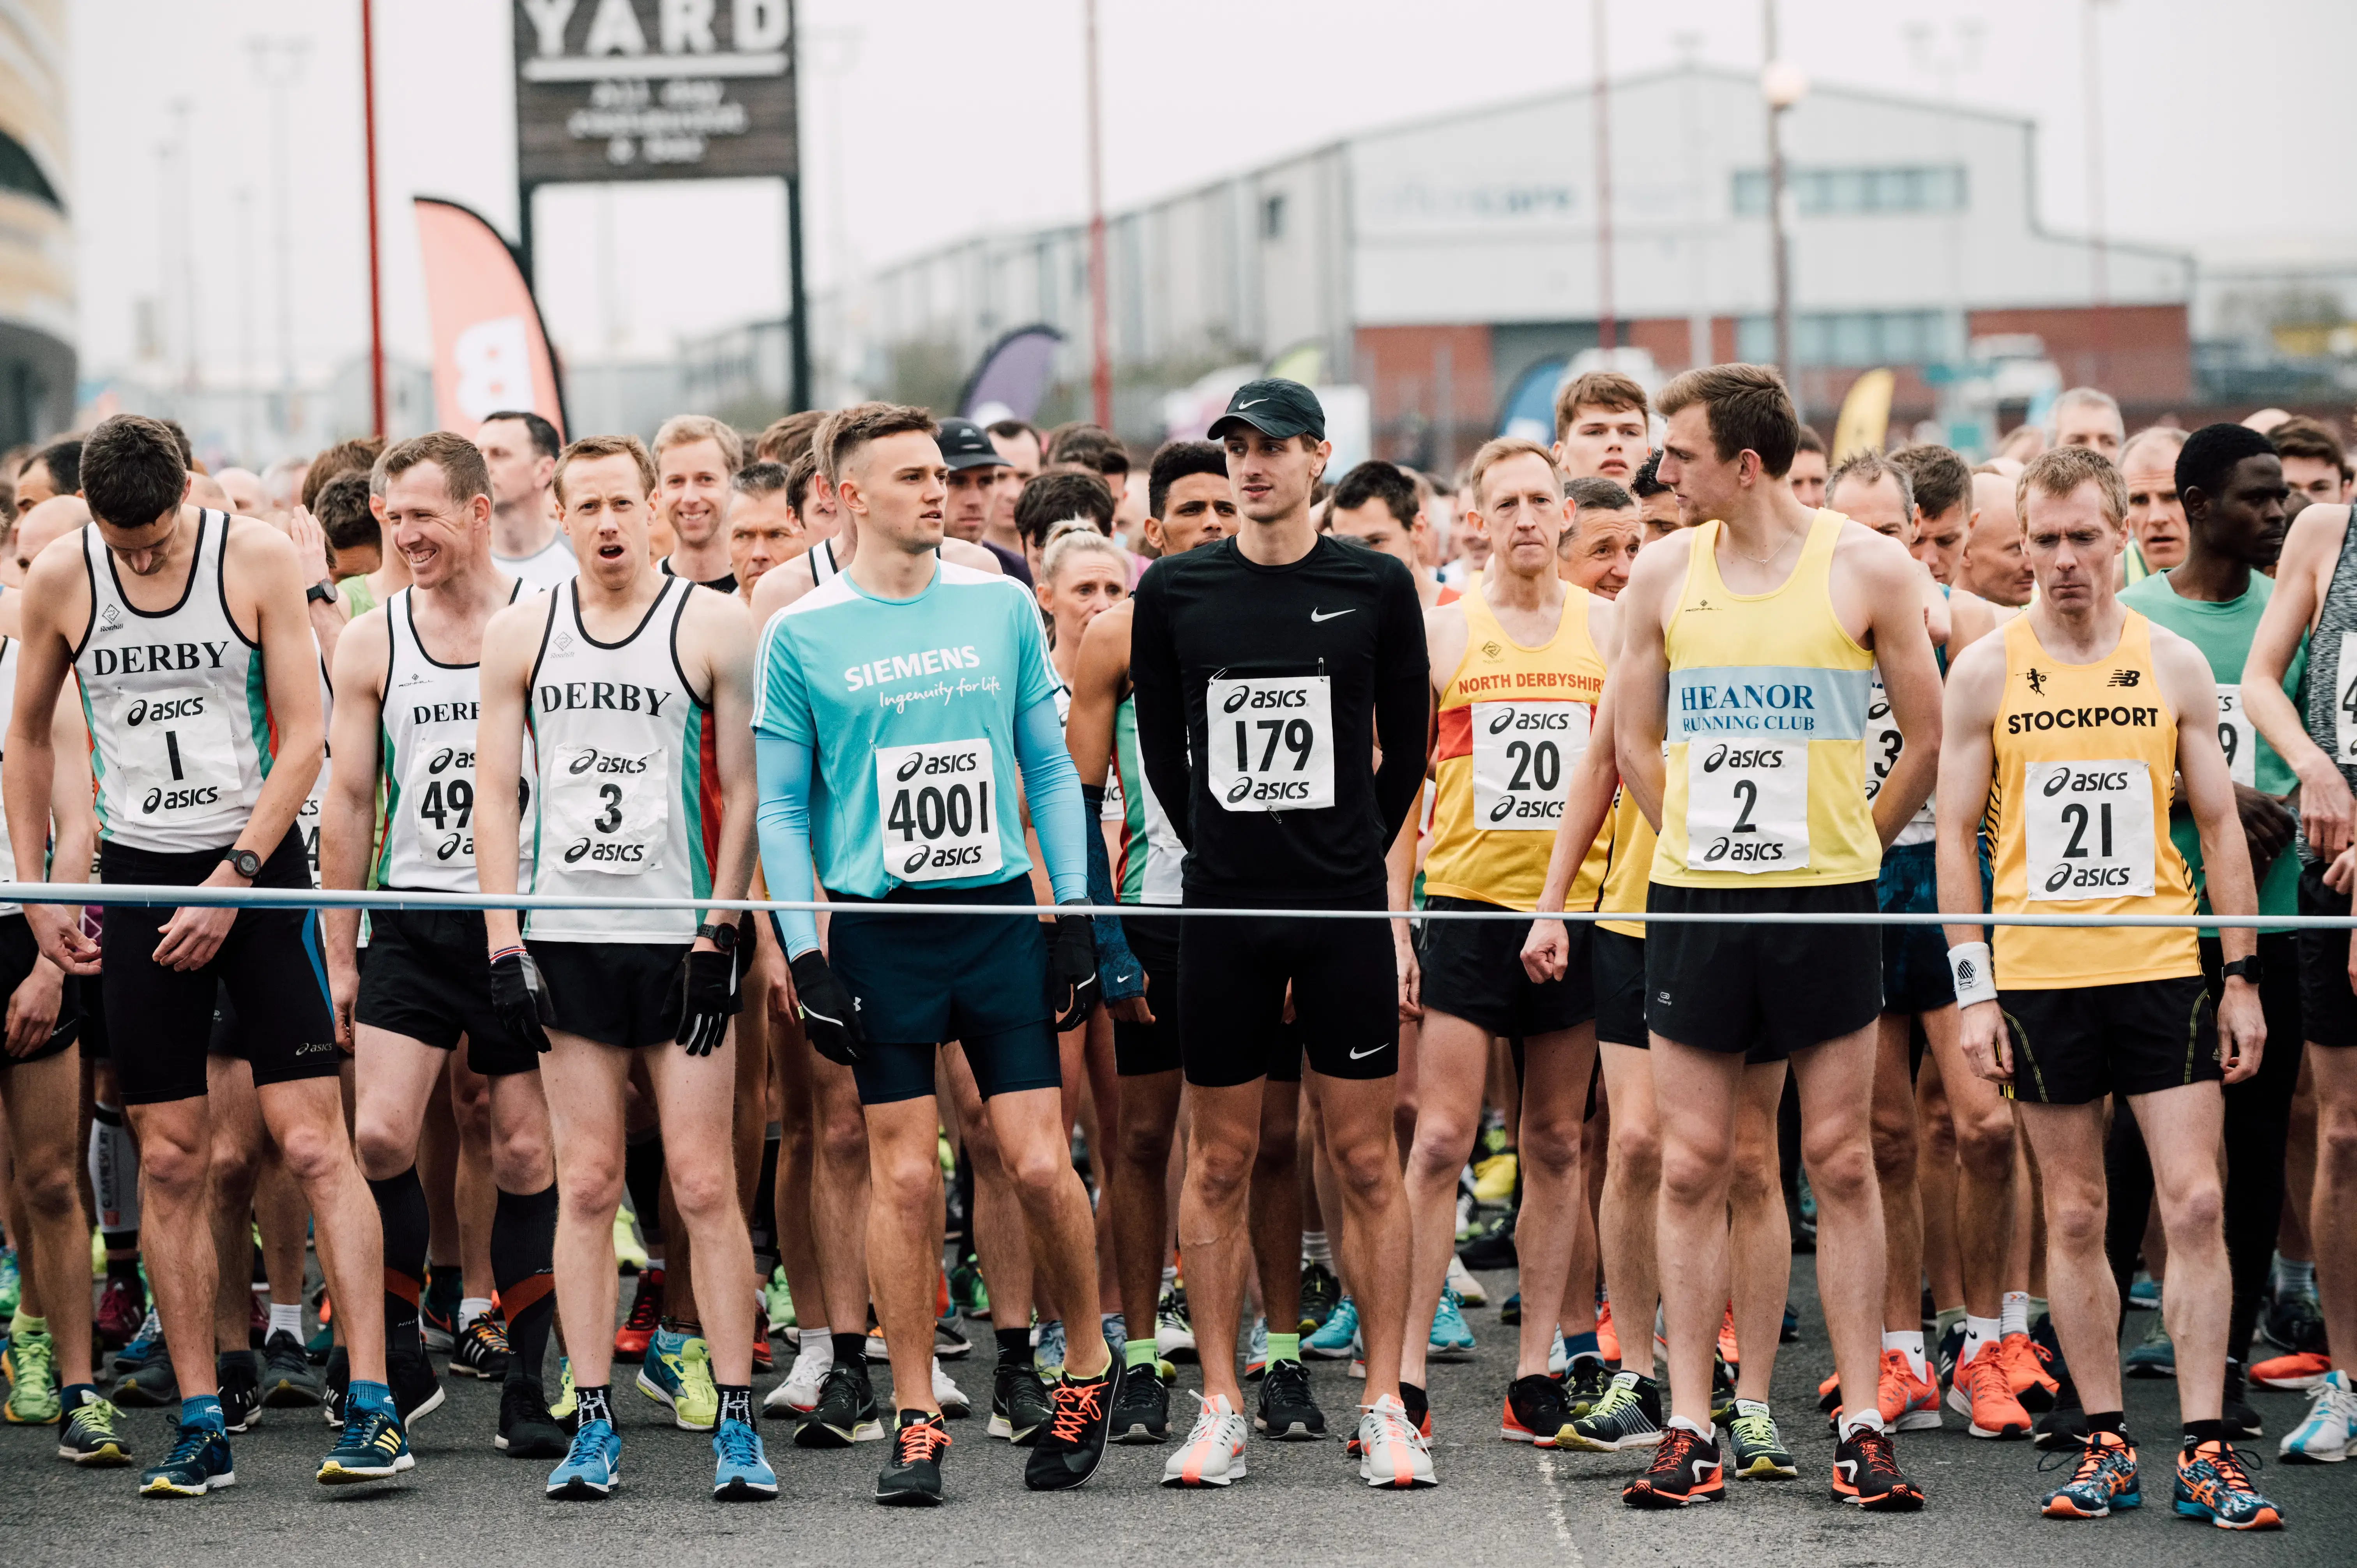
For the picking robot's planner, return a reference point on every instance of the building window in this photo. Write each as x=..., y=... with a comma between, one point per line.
x=1853, y=192
x=1272, y=217
x=20, y=174
x=1858, y=338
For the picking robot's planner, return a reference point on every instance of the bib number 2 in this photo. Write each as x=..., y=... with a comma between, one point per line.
x=2089, y=829
x=1747, y=806
x=1272, y=742
x=936, y=802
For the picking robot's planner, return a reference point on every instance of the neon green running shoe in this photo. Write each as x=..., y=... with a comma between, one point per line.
x=779, y=1300
x=677, y=1372
x=33, y=1360
x=568, y=1403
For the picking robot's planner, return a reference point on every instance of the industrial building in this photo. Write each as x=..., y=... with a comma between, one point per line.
x=36, y=262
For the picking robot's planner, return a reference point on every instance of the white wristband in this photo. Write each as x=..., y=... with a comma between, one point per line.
x=1973, y=972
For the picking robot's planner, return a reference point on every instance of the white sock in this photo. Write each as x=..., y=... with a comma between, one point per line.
x=1980, y=1333
x=1705, y=1430
x=287, y=1319
x=1170, y=1275
x=1317, y=1249
x=2294, y=1278
x=1871, y=1416
x=1909, y=1341
x=817, y=1334
x=2016, y=1312
x=654, y=1263
x=470, y=1308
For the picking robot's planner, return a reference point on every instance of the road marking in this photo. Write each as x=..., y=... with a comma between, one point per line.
x=1555, y=1507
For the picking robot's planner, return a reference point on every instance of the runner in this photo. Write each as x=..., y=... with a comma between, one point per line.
x=976, y=472
x=1377, y=504
x=2155, y=512
x=209, y=798
x=869, y=660
x=1601, y=544
x=1018, y=442
x=2315, y=464
x=519, y=449
x=1600, y=423
x=408, y=679
x=1766, y=667
x=694, y=456
x=2085, y=416
x=1995, y=566
x=2062, y=736
x=1324, y=637
x=1809, y=468
x=634, y=688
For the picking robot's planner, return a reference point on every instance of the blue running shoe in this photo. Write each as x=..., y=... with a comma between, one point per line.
x=741, y=1473
x=199, y=1462
x=373, y=1448
x=593, y=1465
x=146, y=1343
x=677, y=1374
x=1048, y=1357
x=2103, y=1480
x=2155, y=1355
x=2143, y=1292
x=1452, y=1337
x=2212, y=1484
x=1256, y=1348
x=1338, y=1335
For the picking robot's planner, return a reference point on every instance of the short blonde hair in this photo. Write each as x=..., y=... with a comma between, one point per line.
x=2059, y=471
x=683, y=429
x=1495, y=452
x=1074, y=537
x=593, y=446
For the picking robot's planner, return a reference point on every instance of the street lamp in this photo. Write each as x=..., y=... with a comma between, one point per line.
x=1782, y=84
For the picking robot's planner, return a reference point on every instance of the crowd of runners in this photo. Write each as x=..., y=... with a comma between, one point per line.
x=1669, y=669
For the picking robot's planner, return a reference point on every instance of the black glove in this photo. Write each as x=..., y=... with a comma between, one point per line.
x=830, y=1016
x=708, y=998
x=520, y=998
x=1073, y=971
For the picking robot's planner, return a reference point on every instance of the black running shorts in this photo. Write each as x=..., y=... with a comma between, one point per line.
x=1733, y=986
x=1619, y=970
x=1473, y=970
x=19, y=952
x=271, y=963
x=1141, y=1049
x=624, y=994
x=428, y=978
x=2327, y=1008
x=2073, y=1046
x=1232, y=975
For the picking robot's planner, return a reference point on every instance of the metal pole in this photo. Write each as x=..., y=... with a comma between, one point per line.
x=1780, y=255
x=797, y=301
x=1100, y=366
x=375, y=241
x=2099, y=260
x=1605, y=328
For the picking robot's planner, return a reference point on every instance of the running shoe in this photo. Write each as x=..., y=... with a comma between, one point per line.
x=777, y=1299
x=151, y=1385
x=1392, y=1452
x=120, y=1311
x=877, y=1351
x=1586, y=1381
x=33, y=1364
x=1686, y=1470
x=799, y=1392
x=1256, y=1348
x=1946, y=1353
x=677, y=1374
x=89, y=1438
x=2328, y=1436
x=1629, y=1416
x=1728, y=1351
x=2154, y=1355
x=2063, y=1428
x=1452, y=1336
x=2143, y=1292
x=1866, y=1474
x=257, y=1313
x=950, y=1341
x=1073, y=1444
x=1608, y=1339
x=1048, y=1350
x=1758, y=1448
x=148, y=1341
x=1336, y=1338
x=948, y=1395
x=764, y=1358
x=968, y=1291
x=2104, y=1478
x=646, y=1316
x=1469, y=1291
x=2292, y=1321
x=438, y=1309
x=1141, y=1412
x=2301, y=1371
x=199, y=1462
x=239, y=1381
x=1287, y=1411
x=1535, y=1411
x=2243, y=1423
x=740, y=1471
x=527, y=1430
x=373, y=1448
x=288, y=1378
x=844, y=1414
x=1213, y=1454
x=416, y=1390
x=480, y=1350
x=1494, y=1179
x=565, y=1410
x=629, y=1255
x=1510, y=1314
x=1492, y=1246
x=1789, y=1332
x=12, y=1283
x=1983, y=1393
x=592, y=1466
x=1019, y=1405
x=2212, y=1484
x=912, y=1470
x=2024, y=1370
x=1320, y=1290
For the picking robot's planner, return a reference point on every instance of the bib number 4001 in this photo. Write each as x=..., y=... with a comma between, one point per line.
x=935, y=801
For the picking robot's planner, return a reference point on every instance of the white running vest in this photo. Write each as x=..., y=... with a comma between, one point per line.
x=8, y=712
x=179, y=716
x=626, y=795
x=545, y=567
x=427, y=722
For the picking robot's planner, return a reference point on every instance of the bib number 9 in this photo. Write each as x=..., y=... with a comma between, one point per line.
x=2088, y=827
x=1747, y=805
x=936, y=803
x=1521, y=752
x=607, y=810
x=2237, y=737
x=1272, y=742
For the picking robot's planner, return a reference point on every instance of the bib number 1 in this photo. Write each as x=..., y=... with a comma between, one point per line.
x=1272, y=742
x=936, y=803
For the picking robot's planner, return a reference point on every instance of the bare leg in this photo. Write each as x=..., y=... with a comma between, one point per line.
x=476, y=1191
x=1759, y=1232
x=2182, y=1128
x=904, y=1241
x=1837, y=1143
x=1935, y=1184
x=1558, y=1254
x=2333, y=1211
x=1223, y=1140
x=1633, y=1174
x=797, y=1249
x=305, y=1119
x=1359, y=1130
x=440, y=1171
x=41, y=1127
x=584, y=1081
x=279, y=1210
x=1001, y=1241
x=1985, y=1207
x=1455, y=1054
x=233, y=1175
x=1148, y=1118
x=695, y=1097
x=1103, y=1120
x=2302, y=1166
x=1894, y=1172
x=1696, y=1092
x=839, y=1193
x=1275, y=1206
x=1035, y=1147
x=2068, y=1141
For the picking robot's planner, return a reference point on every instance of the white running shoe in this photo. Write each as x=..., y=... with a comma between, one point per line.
x=799, y=1392
x=1461, y=1279
x=1213, y=1454
x=1392, y=1453
x=1558, y=1357
x=2328, y=1436
x=948, y=1395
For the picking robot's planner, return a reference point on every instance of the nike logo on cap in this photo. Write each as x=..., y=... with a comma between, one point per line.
x=1317, y=615
x=1255, y=403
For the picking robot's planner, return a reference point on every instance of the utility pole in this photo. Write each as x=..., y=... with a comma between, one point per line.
x=2098, y=256
x=281, y=83
x=1782, y=86
x=375, y=245
x=1605, y=328
x=1101, y=359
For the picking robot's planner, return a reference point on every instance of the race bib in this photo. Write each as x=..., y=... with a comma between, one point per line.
x=2344, y=702
x=2238, y=737
x=605, y=810
x=2089, y=829
x=1521, y=752
x=1883, y=744
x=936, y=802
x=307, y=821
x=176, y=760
x=1747, y=805
x=1272, y=742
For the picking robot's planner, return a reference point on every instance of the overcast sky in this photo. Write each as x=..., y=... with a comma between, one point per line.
x=926, y=120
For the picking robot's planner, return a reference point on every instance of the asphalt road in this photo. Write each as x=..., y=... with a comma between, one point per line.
x=466, y=1504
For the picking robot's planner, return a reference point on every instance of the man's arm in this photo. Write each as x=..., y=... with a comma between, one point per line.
x=56, y=596
x=348, y=810
x=2187, y=685
x=1895, y=584
x=1097, y=680
x=784, y=767
x=509, y=642
x=1967, y=754
x=2327, y=810
x=1154, y=678
x=290, y=669
x=722, y=634
x=1053, y=789
x=72, y=817
x=1641, y=675
x=1403, y=700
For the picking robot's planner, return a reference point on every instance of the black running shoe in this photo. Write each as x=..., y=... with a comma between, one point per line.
x=1685, y=1471
x=151, y=1385
x=1073, y=1444
x=1585, y=1383
x=1629, y=1416
x=1287, y=1411
x=1493, y=1248
x=288, y=1378
x=1141, y=1412
x=416, y=1390
x=1945, y=1355
x=240, y=1380
x=1534, y=1411
x=1019, y=1406
x=526, y=1429
x=1319, y=1293
x=844, y=1414
x=480, y=1352
x=1867, y=1473
x=912, y=1474
x=337, y=1377
x=2235, y=1410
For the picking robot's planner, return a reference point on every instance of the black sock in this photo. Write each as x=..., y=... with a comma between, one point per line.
x=124, y=1270
x=642, y=1173
x=408, y=1228
x=1014, y=1346
x=594, y=1405
x=524, y=1247
x=2199, y=1432
x=2108, y=1420
x=735, y=1401
x=764, y=1225
x=850, y=1349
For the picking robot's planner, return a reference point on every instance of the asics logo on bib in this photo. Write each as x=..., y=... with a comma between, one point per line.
x=910, y=666
x=1723, y=757
x=614, y=696
x=592, y=761
x=144, y=712
x=2082, y=718
x=1523, y=721
x=152, y=658
x=443, y=758
x=938, y=766
x=1245, y=697
x=2084, y=781
x=598, y=854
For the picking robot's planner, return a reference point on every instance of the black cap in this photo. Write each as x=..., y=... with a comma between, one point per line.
x=965, y=444
x=1274, y=406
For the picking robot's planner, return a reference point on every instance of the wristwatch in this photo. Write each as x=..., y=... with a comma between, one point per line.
x=320, y=593
x=722, y=936
x=2243, y=969
x=244, y=861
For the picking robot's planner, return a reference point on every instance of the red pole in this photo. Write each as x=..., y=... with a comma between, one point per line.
x=1606, y=328
x=376, y=249
x=1101, y=369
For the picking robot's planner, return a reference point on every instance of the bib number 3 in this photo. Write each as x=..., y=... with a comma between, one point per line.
x=1521, y=752
x=2089, y=829
x=936, y=802
x=1272, y=742
x=1747, y=806
x=606, y=809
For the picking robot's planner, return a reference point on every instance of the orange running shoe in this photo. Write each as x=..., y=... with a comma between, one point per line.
x=1727, y=1352
x=646, y=1316
x=1983, y=1393
x=2303, y=1370
x=1909, y=1404
x=1607, y=1340
x=2025, y=1368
